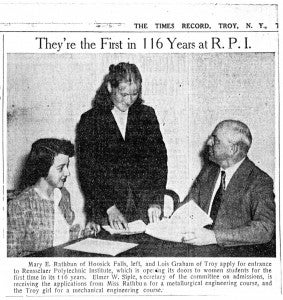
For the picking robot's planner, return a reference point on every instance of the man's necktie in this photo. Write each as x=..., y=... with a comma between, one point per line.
x=218, y=198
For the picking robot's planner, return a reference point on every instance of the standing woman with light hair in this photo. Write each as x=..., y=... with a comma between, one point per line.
x=122, y=159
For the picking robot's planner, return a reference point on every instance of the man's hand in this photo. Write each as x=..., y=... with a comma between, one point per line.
x=91, y=229
x=199, y=237
x=154, y=213
x=116, y=218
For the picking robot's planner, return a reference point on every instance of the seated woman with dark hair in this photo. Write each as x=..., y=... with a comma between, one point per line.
x=41, y=216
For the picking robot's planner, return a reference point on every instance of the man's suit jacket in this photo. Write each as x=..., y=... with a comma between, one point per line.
x=247, y=211
x=110, y=166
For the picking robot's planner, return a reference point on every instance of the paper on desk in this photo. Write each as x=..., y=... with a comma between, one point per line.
x=186, y=218
x=101, y=246
x=134, y=228
x=191, y=216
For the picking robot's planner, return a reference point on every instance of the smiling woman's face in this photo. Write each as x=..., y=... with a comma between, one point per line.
x=58, y=172
x=125, y=94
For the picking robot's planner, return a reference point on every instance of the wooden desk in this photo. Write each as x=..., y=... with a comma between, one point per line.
x=152, y=247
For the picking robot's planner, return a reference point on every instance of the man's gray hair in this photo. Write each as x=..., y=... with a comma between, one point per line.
x=241, y=134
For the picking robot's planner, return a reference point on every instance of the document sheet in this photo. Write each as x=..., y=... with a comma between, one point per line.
x=187, y=218
x=101, y=246
x=134, y=228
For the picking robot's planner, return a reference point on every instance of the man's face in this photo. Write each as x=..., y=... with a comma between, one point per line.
x=220, y=148
x=59, y=171
x=125, y=95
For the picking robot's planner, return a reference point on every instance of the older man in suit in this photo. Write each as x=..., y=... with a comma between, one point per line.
x=236, y=194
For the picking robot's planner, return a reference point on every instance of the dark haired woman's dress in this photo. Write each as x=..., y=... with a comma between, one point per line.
x=130, y=173
x=30, y=225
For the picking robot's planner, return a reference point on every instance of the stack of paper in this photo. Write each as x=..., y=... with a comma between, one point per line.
x=187, y=218
x=191, y=216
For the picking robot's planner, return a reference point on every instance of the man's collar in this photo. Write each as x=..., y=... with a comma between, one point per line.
x=234, y=167
x=229, y=172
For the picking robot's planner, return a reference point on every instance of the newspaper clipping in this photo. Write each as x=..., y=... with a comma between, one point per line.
x=190, y=145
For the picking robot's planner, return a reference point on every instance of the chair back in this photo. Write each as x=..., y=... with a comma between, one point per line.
x=171, y=202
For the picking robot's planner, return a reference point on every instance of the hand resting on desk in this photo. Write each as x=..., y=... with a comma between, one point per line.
x=199, y=237
x=116, y=218
x=118, y=221
x=91, y=229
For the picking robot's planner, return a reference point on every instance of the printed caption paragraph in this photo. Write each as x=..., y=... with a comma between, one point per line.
x=133, y=277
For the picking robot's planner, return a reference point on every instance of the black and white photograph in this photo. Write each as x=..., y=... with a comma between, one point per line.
x=112, y=135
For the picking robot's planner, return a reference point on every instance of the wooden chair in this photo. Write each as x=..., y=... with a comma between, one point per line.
x=171, y=204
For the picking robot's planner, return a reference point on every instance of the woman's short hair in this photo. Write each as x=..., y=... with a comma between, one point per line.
x=41, y=158
x=122, y=72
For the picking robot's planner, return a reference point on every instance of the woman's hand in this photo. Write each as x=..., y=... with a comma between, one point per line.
x=91, y=229
x=116, y=218
x=74, y=232
x=154, y=213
